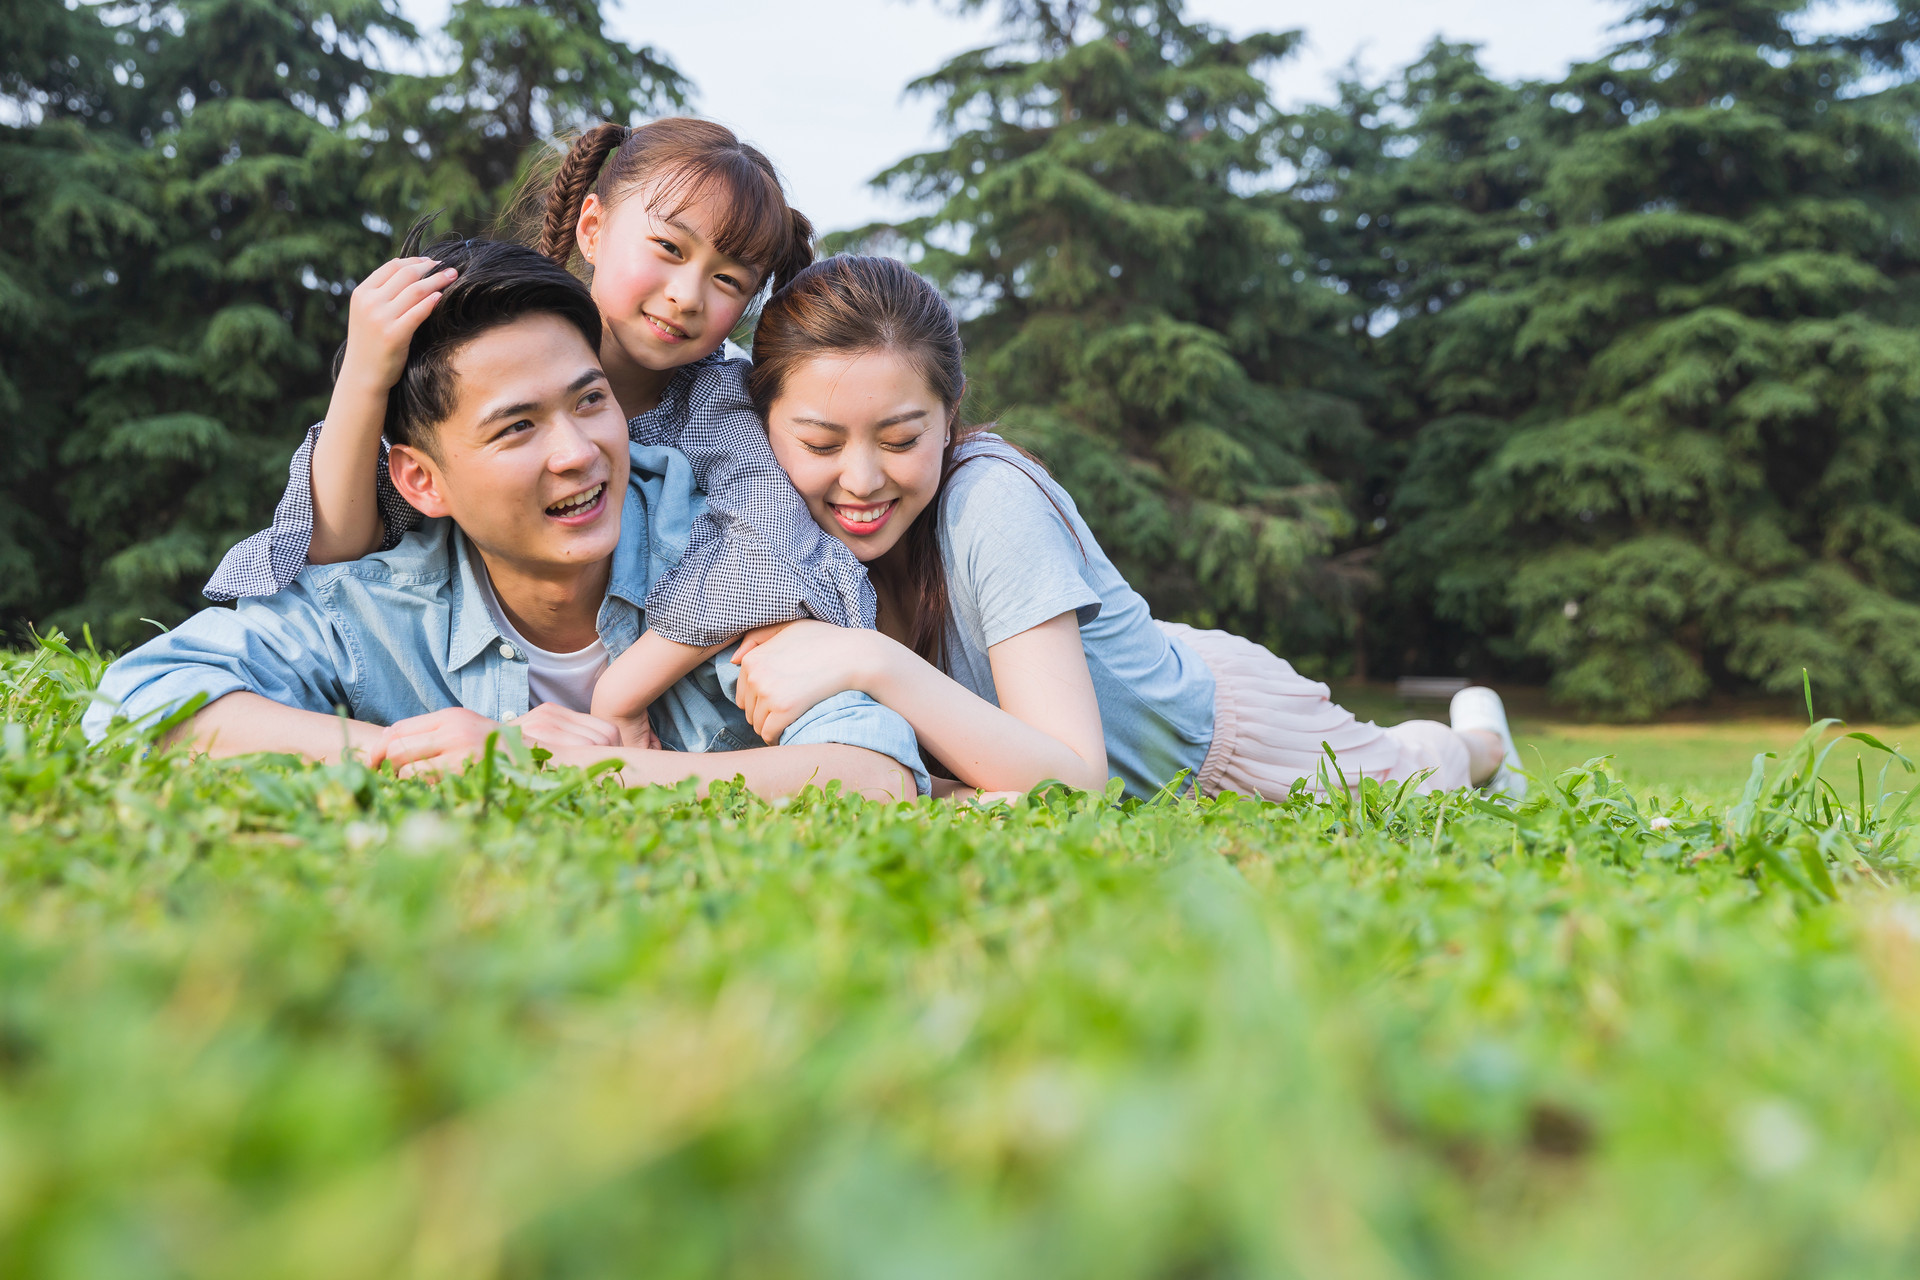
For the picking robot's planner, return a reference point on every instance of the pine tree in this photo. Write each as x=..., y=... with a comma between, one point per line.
x=1416, y=195
x=1678, y=443
x=1105, y=219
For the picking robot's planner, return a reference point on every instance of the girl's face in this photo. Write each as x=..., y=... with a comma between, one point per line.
x=861, y=437
x=668, y=297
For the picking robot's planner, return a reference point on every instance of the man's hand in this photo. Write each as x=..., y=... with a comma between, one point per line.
x=790, y=667
x=385, y=310
x=445, y=741
x=553, y=726
x=438, y=742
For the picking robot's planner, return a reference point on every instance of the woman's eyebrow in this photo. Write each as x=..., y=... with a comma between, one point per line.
x=909, y=416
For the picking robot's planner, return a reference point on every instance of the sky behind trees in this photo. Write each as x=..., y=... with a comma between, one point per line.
x=818, y=86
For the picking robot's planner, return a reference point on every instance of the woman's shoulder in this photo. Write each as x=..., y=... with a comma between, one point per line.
x=988, y=468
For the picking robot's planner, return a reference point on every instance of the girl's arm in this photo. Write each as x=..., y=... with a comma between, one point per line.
x=636, y=679
x=387, y=307
x=1046, y=726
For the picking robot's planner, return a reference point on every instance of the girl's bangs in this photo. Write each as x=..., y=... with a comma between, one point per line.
x=753, y=224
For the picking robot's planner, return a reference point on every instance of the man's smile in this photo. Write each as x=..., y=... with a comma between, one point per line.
x=582, y=506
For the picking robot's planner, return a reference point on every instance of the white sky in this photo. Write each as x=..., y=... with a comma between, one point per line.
x=817, y=84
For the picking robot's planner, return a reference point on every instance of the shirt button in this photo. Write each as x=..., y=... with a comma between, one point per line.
x=506, y=651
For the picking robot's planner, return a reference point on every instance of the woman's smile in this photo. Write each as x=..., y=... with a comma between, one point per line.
x=860, y=521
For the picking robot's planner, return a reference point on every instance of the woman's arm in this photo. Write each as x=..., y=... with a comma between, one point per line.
x=1046, y=726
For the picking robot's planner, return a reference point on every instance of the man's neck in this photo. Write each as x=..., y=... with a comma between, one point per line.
x=554, y=607
x=637, y=388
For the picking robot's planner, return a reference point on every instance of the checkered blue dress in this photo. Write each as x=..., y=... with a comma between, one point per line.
x=756, y=556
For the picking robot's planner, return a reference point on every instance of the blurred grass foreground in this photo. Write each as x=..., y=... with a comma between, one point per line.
x=261, y=1019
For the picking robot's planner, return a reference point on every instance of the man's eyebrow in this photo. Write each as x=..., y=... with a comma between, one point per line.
x=586, y=379
x=898, y=418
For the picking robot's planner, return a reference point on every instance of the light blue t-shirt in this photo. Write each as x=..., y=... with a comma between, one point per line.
x=1017, y=554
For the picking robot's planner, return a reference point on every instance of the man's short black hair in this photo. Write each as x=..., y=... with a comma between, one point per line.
x=499, y=282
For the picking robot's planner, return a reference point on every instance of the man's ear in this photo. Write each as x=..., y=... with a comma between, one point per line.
x=417, y=476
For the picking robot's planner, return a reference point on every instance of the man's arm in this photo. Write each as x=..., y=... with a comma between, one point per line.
x=769, y=772
x=243, y=723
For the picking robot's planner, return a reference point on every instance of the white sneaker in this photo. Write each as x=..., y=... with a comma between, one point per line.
x=1478, y=707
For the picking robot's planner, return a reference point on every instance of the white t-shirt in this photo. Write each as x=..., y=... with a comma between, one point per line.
x=565, y=678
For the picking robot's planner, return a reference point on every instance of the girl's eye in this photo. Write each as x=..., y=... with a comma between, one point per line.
x=731, y=283
x=669, y=246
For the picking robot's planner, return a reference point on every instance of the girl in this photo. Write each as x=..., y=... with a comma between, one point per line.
x=679, y=225
x=1006, y=637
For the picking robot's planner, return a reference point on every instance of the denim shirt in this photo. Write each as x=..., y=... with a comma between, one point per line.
x=404, y=632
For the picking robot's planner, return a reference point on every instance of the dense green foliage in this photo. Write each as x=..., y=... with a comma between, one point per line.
x=260, y=1019
x=191, y=190
x=1655, y=346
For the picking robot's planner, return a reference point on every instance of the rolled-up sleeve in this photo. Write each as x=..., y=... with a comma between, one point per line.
x=284, y=647
x=700, y=715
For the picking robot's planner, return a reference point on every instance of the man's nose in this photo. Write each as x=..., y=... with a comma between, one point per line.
x=572, y=449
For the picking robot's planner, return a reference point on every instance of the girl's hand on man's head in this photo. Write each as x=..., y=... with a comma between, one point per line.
x=385, y=310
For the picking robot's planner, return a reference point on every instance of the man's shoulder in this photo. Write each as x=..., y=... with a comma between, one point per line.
x=422, y=560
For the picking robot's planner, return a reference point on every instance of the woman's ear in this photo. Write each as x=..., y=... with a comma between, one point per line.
x=415, y=474
x=586, y=232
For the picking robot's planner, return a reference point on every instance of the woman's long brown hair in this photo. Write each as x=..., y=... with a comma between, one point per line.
x=848, y=305
x=679, y=160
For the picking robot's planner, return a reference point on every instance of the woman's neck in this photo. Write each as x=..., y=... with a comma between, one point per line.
x=893, y=594
x=635, y=387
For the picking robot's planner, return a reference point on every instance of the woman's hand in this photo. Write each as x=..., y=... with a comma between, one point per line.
x=787, y=669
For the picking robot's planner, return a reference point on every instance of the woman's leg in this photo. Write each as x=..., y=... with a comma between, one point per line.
x=1272, y=726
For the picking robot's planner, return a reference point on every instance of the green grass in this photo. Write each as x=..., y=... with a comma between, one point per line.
x=262, y=1019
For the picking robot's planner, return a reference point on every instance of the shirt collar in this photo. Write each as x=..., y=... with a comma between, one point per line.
x=470, y=629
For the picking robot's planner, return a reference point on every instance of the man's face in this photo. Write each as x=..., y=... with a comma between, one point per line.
x=532, y=463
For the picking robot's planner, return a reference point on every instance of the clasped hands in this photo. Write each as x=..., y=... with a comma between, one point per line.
x=444, y=741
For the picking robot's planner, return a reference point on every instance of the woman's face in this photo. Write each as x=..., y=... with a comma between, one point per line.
x=861, y=437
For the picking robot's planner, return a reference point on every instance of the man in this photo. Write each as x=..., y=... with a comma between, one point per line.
x=546, y=527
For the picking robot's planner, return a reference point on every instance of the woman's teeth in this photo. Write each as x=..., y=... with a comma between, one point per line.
x=865, y=515
x=578, y=503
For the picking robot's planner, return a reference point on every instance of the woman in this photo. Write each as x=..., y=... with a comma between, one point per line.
x=1006, y=637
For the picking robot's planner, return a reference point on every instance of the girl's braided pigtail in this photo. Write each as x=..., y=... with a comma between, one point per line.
x=568, y=191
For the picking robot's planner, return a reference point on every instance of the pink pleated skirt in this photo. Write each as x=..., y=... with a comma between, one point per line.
x=1269, y=724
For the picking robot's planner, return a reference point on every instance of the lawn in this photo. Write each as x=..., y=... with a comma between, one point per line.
x=261, y=1019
